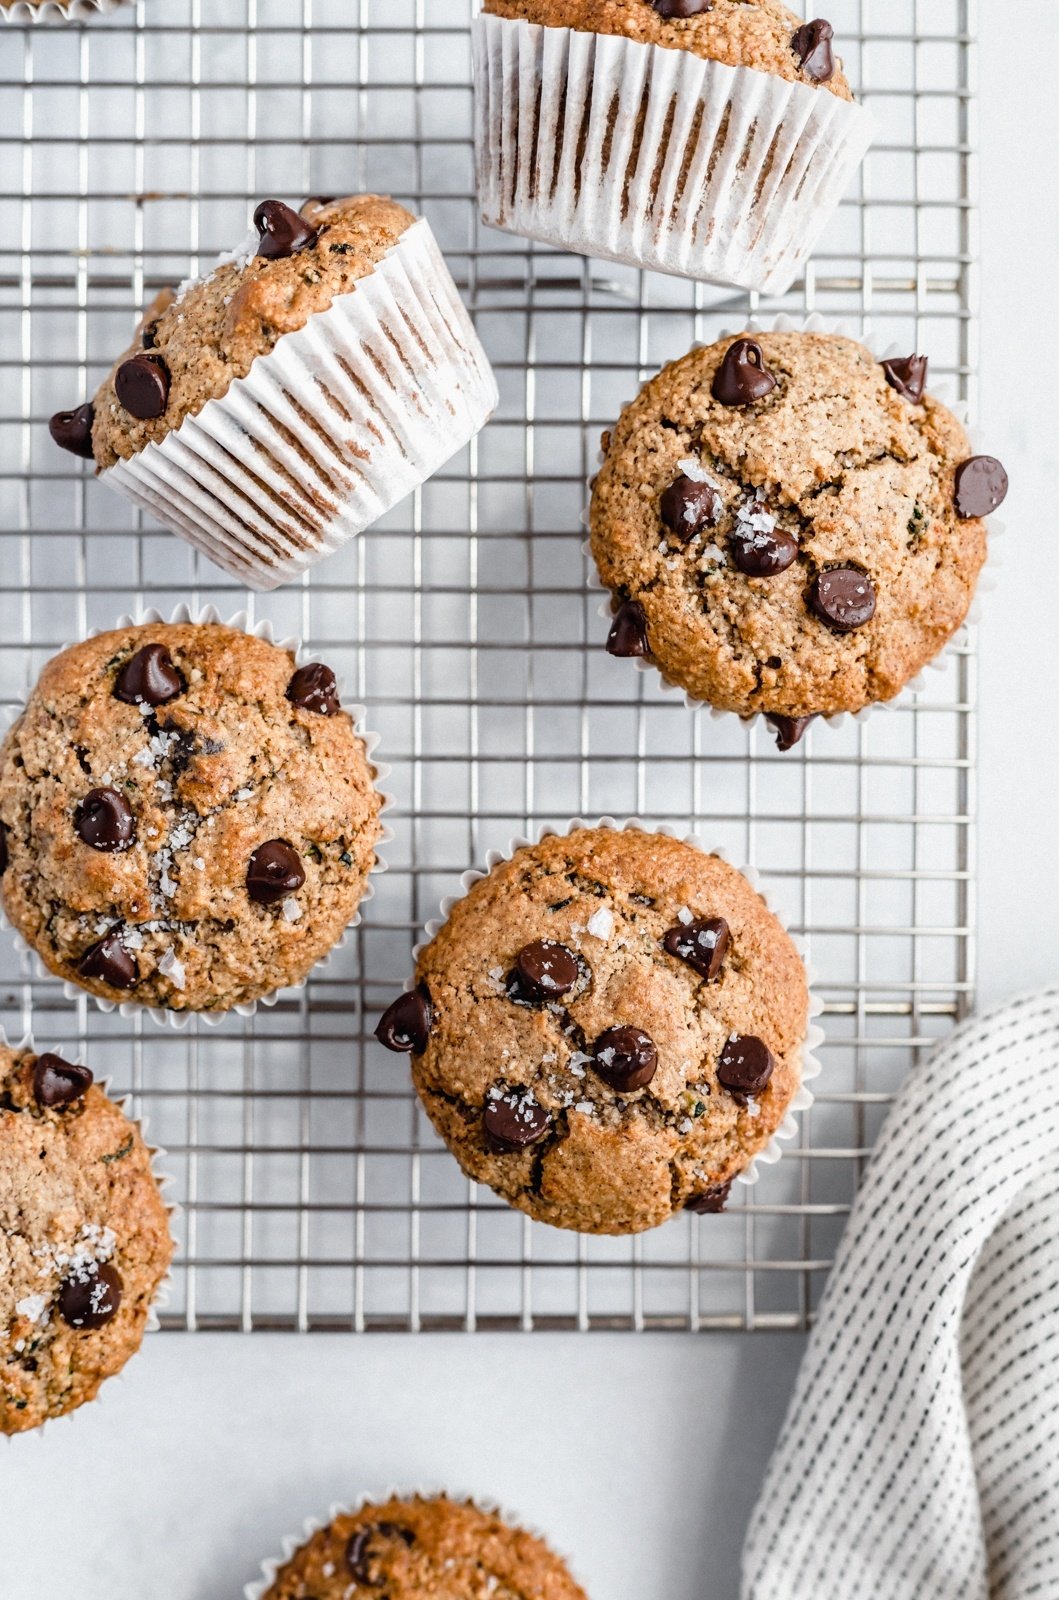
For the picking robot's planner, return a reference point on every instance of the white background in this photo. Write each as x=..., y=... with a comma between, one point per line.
x=639, y=1455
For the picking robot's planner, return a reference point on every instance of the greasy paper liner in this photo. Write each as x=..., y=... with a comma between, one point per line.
x=214, y=1019
x=810, y=1066
x=736, y=175
x=329, y=430
x=59, y=11
x=986, y=577
x=162, y=1293
x=293, y=1542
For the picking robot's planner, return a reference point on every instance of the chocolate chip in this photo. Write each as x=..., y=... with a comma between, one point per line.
x=908, y=375
x=317, y=202
x=283, y=232
x=702, y=944
x=789, y=730
x=746, y=1065
x=142, y=386
x=742, y=376
x=626, y=1058
x=628, y=632
x=687, y=507
x=90, y=1298
x=149, y=334
x=3, y=848
x=405, y=1025
x=57, y=1082
x=546, y=970
x=275, y=871
x=362, y=1551
x=682, y=8
x=758, y=549
x=313, y=688
x=812, y=45
x=110, y=962
x=72, y=430
x=512, y=1119
x=104, y=820
x=711, y=1202
x=843, y=597
x=981, y=486
x=148, y=677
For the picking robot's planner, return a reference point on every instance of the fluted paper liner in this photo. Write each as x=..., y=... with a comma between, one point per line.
x=639, y=153
x=59, y=11
x=329, y=430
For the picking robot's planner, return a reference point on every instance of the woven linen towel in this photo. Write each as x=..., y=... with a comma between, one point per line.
x=920, y=1456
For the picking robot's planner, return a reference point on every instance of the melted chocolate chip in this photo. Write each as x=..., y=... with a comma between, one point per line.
x=628, y=632
x=545, y=970
x=90, y=1298
x=758, y=550
x=843, y=597
x=981, y=486
x=104, y=820
x=283, y=232
x=789, y=730
x=908, y=375
x=702, y=944
x=404, y=1026
x=313, y=688
x=363, y=1553
x=275, y=871
x=711, y=1201
x=512, y=1119
x=682, y=8
x=57, y=1082
x=742, y=376
x=142, y=386
x=812, y=45
x=746, y=1065
x=687, y=507
x=110, y=962
x=317, y=202
x=149, y=677
x=72, y=430
x=626, y=1058
x=149, y=334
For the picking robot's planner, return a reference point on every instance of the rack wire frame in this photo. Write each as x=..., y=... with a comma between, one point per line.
x=314, y=1192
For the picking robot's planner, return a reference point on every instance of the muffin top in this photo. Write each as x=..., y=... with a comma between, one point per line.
x=188, y=819
x=420, y=1549
x=789, y=526
x=764, y=34
x=84, y=1238
x=606, y=1028
x=192, y=344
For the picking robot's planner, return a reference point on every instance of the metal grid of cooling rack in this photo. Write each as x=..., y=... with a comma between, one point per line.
x=314, y=1192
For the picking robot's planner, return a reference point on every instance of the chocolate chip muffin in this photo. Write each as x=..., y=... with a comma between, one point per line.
x=422, y=1549
x=189, y=818
x=607, y=1028
x=84, y=1237
x=789, y=526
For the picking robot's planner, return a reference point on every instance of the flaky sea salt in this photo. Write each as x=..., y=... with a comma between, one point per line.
x=32, y=1306
x=291, y=909
x=171, y=967
x=601, y=923
x=684, y=916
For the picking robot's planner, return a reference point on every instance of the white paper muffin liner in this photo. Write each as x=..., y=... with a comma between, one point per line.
x=986, y=577
x=59, y=11
x=803, y=1097
x=213, y=1019
x=163, y=1292
x=330, y=429
x=737, y=174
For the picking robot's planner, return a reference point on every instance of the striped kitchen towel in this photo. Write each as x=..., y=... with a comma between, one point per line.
x=920, y=1456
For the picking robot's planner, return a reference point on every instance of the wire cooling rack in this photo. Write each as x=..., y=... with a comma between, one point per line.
x=315, y=1194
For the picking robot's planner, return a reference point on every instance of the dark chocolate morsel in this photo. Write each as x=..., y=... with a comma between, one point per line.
x=90, y=1297
x=72, y=430
x=742, y=376
x=283, y=232
x=405, y=1025
x=711, y=1202
x=142, y=386
x=682, y=8
x=104, y=820
x=908, y=375
x=702, y=944
x=812, y=45
x=687, y=507
x=313, y=688
x=110, y=962
x=626, y=1058
x=149, y=334
x=362, y=1550
x=57, y=1082
x=789, y=730
x=843, y=597
x=761, y=551
x=512, y=1119
x=981, y=486
x=275, y=871
x=628, y=631
x=746, y=1065
x=546, y=970
x=148, y=677
x=317, y=202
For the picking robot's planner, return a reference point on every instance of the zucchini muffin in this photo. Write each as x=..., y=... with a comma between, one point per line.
x=189, y=818
x=422, y=1549
x=607, y=1028
x=789, y=526
x=84, y=1238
